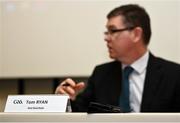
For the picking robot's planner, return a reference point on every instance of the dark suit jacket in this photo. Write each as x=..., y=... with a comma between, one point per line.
x=161, y=89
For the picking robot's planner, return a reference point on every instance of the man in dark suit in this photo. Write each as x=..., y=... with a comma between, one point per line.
x=153, y=85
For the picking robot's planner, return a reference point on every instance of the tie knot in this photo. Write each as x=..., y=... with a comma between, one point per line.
x=127, y=71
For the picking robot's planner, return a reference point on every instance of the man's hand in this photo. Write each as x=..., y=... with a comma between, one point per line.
x=70, y=87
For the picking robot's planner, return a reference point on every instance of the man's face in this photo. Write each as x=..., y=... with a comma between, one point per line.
x=119, y=43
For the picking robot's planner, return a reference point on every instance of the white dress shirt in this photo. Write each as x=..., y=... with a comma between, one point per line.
x=136, y=81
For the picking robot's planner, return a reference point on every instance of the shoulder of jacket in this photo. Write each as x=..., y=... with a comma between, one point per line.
x=168, y=64
x=108, y=64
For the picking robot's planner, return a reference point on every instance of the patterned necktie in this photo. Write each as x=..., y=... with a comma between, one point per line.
x=124, y=97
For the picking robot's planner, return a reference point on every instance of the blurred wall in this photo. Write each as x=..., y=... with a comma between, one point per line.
x=0, y=38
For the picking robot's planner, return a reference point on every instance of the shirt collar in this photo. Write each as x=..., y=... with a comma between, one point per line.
x=140, y=64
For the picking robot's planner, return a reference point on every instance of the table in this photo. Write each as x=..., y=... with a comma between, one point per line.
x=84, y=117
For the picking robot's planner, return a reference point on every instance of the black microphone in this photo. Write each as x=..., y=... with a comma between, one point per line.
x=95, y=107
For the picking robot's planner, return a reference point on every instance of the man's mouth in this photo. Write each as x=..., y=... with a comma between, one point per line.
x=109, y=48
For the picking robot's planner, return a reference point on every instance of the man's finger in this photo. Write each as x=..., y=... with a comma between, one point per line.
x=69, y=82
x=69, y=90
x=80, y=86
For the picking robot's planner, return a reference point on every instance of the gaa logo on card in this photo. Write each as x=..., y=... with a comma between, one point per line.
x=17, y=102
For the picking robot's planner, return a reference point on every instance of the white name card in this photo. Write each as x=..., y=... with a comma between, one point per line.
x=36, y=103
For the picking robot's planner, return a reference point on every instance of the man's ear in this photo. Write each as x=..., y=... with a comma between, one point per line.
x=137, y=34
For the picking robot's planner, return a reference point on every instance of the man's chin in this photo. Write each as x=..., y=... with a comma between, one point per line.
x=112, y=57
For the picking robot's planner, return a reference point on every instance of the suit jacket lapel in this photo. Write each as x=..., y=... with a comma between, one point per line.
x=152, y=81
x=114, y=83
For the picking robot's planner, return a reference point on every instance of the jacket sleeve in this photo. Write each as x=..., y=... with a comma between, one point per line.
x=85, y=97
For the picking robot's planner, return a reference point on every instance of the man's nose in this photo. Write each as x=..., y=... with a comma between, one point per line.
x=107, y=38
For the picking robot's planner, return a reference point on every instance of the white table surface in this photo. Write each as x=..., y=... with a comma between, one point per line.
x=84, y=117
